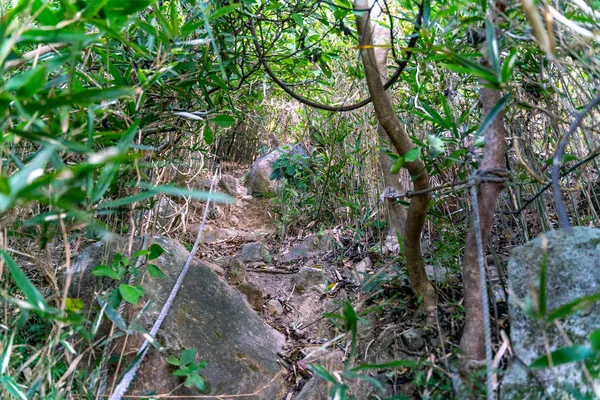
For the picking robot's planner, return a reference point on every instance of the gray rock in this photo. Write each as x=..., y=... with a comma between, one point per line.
x=439, y=273
x=306, y=278
x=313, y=245
x=573, y=262
x=254, y=295
x=207, y=315
x=258, y=180
x=228, y=184
x=274, y=308
x=413, y=339
x=236, y=272
x=255, y=251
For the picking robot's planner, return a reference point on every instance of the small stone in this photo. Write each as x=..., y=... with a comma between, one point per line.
x=307, y=278
x=228, y=184
x=413, y=339
x=274, y=308
x=233, y=220
x=254, y=295
x=236, y=272
x=438, y=273
x=255, y=251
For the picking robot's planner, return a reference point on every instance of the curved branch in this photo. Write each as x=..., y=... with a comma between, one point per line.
x=401, y=66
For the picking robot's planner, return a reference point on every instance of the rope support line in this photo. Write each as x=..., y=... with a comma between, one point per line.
x=492, y=175
x=123, y=386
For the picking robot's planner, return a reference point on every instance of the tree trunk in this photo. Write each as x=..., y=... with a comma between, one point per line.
x=473, y=340
x=396, y=212
x=417, y=211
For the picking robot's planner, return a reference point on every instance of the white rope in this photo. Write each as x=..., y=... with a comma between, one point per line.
x=123, y=386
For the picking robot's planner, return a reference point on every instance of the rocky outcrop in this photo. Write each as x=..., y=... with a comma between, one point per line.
x=228, y=185
x=258, y=180
x=573, y=261
x=207, y=315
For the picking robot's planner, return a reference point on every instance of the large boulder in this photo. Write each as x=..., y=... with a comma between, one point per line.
x=573, y=263
x=207, y=315
x=314, y=245
x=228, y=184
x=258, y=179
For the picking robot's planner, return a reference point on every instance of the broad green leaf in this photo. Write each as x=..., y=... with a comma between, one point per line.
x=74, y=304
x=155, y=251
x=188, y=356
x=196, y=381
x=564, y=356
x=123, y=8
x=173, y=360
x=223, y=120
x=155, y=272
x=208, y=134
x=129, y=293
x=31, y=293
x=103, y=270
x=27, y=83
x=412, y=154
x=395, y=168
x=223, y=11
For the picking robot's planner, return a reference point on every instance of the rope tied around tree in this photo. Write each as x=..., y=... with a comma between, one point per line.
x=491, y=175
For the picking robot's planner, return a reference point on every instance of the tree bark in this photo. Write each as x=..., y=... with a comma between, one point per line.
x=473, y=340
x=396, y=212
x=417, y=211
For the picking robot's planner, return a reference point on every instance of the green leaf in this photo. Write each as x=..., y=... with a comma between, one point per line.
x=322, y=373
x=208, y=134
x=412, y=154
x=595, y=340
x=173, y=360
x=298, y=19
x=122, y=8
x=181, y=372
x=572, y=307
x=112, y=314
x=223, y=11
x=74, y=304
x=188, y=356
x=223, y=120
x=388, y=365
x=27, y=83
x=509, y=66
x=489, y=118
x=196, y=381
x=395, y=168
x=83, y=97
x=492, y=45
x=12, y=387
x=564, y=356
x=155, y=251
x=55, y=36
x=140, y=290
x=155, y=272
x=103, y=270
x=141, y=253
x=33, y=296
x=129, y=293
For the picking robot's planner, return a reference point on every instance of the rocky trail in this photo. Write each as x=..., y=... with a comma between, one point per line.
x=277, y=317
x=261, y=309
